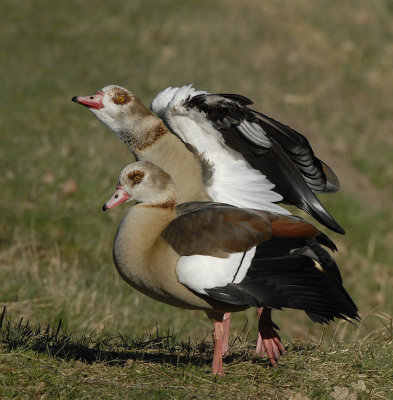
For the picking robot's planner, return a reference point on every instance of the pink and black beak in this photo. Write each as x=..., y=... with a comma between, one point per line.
x=120, y=196
x=93, y=101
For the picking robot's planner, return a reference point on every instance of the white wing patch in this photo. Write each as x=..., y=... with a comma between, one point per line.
x=171, y=97
x=205, y=272
x=161, y=101
x=234, y=181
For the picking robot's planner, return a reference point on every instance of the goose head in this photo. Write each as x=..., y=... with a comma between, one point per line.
x=120, y=110
x=145, y=183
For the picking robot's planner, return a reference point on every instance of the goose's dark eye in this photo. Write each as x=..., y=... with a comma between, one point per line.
x=137, y=178
x=116, y=196
x=121, y=98
x=91, y=97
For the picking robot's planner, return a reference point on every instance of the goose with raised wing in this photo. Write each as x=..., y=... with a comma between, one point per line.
x=250, y=159
x=216, y=148
x=220, y=258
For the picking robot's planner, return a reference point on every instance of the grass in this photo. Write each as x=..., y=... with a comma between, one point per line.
x=324, y=68
x=154, y=366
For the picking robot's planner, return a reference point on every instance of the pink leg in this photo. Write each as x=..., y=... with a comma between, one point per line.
x=268, y=341
x=226, y=320
x=218, y=338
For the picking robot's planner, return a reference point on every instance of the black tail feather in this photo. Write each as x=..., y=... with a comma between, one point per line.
x=292, y=273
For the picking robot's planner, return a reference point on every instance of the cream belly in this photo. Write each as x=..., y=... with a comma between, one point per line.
x=153, y=272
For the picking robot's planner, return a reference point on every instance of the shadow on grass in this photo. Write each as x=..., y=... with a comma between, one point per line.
x=56, y=341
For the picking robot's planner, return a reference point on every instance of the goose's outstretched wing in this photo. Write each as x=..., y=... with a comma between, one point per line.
x=279, y=152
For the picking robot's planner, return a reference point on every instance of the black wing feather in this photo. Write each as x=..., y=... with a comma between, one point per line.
x=284, y=275
x=289, y=162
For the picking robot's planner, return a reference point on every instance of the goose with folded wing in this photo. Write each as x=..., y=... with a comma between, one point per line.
x=220, y=258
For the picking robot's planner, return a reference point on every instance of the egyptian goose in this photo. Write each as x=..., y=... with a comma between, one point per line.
x=222, y=151
x=267, y=162
x=219, y=258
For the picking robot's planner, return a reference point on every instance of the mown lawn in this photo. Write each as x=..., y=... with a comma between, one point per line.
x=323, y=67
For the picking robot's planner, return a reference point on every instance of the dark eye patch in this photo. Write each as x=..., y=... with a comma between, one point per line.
x=135, y=177
x=121, y=97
